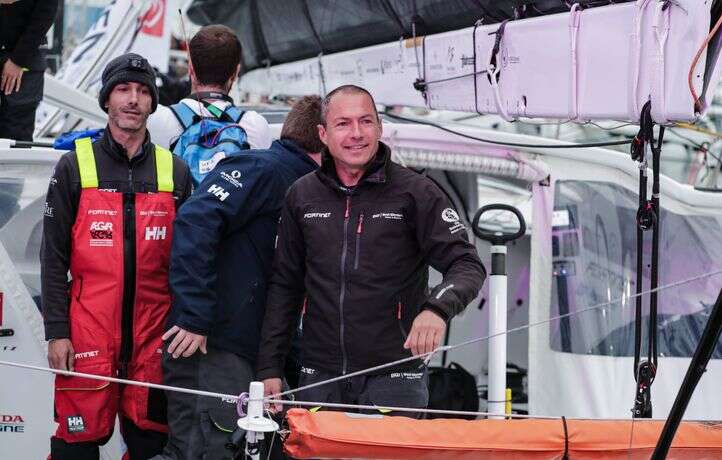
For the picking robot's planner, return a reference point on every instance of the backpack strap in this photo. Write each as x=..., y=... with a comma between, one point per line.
x=86, y=163
x=235, y=113
x=184, y=114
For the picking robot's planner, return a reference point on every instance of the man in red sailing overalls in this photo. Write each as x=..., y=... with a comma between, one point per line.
x=108, y=221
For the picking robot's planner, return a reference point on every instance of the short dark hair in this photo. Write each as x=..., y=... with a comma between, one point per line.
x=345, y=89
x=215, y=53
x=301, y=125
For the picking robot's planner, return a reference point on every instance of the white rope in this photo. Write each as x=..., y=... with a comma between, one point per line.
x=273, y=398
x=121, y=381
x=403, y=409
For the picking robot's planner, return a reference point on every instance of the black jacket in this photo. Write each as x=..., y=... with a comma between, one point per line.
x=114, y=170
x=23, y=26
x=223, y=241
x=361, y=256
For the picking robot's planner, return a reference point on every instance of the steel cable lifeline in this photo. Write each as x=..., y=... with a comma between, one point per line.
x=274, y=398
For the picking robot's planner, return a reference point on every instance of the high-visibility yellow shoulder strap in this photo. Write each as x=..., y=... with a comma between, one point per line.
x=86, y=163
x=164, y=169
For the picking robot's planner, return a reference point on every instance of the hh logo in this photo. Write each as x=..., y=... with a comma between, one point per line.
x=154, y=233
x=76, y=424
x=218, y=192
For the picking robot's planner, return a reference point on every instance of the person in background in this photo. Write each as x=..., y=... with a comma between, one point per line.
x=215, y=62
x=356, y=239
x=23, y=25
x=108, y=221
x=223, y=244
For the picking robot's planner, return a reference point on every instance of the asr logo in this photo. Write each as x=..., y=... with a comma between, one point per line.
x=101, y=233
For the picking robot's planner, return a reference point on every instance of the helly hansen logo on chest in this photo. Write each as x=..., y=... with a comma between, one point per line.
x=101, y=233
x=155, y=233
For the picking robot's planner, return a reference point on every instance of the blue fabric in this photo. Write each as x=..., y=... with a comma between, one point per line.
x=223, y=243
x=206, y=141
x=66, y=141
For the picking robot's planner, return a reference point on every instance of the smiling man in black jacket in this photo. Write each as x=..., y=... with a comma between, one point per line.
x=357, y=238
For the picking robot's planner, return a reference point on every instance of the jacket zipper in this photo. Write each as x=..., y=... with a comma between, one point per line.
x=359, y=231
x=126, y=325
x=342, y=295
x=303, y=313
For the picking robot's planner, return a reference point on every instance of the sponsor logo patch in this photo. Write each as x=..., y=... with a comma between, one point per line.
x=317, y=215
x=49, y=211
x=449, y=215
x=76, y=424
x=101, y=234
x=87, y=354
x=308, y=371
x=457, y=227
x=232, y=178
x=218, y=191
x=388, y=215
x=153, y=213
x=155, y=233
x=102, y=212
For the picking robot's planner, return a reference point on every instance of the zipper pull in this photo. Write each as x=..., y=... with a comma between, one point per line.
x=360, y=227
x=348, y=207
x=398, y=311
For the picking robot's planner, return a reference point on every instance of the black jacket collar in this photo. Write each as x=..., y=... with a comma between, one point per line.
x=376, y=173
x=118, y=152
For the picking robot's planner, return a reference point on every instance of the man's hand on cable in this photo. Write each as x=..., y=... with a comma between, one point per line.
x=185, y=343
x=426, y=333
x=273, y=386
x=61, y=354
x=11, y=78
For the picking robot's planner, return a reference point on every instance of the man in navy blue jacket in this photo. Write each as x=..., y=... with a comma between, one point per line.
x=223, y=242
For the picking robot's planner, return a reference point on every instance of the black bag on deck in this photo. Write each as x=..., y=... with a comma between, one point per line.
x=452, y=388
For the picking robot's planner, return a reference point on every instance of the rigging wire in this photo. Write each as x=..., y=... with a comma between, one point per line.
x=508, y=144
x=365, y=371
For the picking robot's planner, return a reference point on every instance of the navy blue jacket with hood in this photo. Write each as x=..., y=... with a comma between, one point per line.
x=223, y=242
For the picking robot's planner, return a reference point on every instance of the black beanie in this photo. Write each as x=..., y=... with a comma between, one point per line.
x=125, y=68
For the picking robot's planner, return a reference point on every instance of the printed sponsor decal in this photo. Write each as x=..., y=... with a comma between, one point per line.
x=206, y=166
x=218, y=191
x=232, y=178
x=317, y=215
x=102, y=212
x=155, y=233
x=449, y=215
x=12, y=423
x=388, y=215
x=76, y=424
x=49, y=211
x=457, y=227
x=407, y=375
x=87, y=354
x=228, y=400
x=308, y=371
x=101, y=234
x=153, y=213
x=8, y=348
x=153, y=19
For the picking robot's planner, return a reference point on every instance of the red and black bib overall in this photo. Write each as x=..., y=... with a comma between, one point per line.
x=119, y=299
